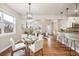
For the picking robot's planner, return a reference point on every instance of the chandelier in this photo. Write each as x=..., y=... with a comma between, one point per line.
x=29, y=15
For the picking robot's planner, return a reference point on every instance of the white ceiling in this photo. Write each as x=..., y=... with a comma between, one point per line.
x=43, y=8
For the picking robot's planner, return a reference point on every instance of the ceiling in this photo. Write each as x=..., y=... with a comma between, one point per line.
x=43, y=8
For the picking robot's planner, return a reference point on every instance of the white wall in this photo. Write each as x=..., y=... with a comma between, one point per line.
x=4, y=39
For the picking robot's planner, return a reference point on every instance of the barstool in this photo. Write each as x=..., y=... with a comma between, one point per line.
x=72, y=40
x=66, y=43
x=71, y=47
x=75, y=46
x=76, y=40
x=63, y=39
x=59, y=39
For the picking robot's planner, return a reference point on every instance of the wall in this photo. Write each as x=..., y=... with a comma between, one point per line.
x=4, y=39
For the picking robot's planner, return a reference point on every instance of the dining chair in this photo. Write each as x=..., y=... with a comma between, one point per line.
x=23, y=36
x=37, y=46
x=40, y=36
x=17, y=47
x=46, y=34
x=36, y=34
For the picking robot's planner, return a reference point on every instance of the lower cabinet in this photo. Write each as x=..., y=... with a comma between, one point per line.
x=68, y=41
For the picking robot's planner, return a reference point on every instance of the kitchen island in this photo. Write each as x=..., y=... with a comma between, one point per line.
x=69, y=39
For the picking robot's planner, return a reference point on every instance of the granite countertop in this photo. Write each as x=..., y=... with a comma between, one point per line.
x=73, y=35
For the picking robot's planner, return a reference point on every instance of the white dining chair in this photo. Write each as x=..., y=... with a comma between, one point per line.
x=37, y=47
x=23, y=36
x=36, y=34
x=40, y=36
x=46, y=34
x=34, y=37
x=17, y=47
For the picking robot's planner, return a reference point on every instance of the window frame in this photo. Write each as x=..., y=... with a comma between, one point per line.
x=2, y=21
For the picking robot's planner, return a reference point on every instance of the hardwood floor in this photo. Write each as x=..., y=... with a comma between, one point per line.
x=56, y=49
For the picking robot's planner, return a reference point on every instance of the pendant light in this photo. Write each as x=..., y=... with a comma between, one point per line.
x=29, y=15
x=61, y=15
x=76, y=11
x=67, y=9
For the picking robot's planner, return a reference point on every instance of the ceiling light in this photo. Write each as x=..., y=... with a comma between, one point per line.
x=61, y=15
x=29, y=15
x=76, y=11
x=67, y=12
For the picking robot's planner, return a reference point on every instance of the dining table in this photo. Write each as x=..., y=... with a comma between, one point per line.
x=28, y=41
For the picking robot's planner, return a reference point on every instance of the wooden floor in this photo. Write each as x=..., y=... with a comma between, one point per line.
x=56, y=49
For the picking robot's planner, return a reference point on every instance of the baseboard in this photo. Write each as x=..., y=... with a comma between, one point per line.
x=8, y=47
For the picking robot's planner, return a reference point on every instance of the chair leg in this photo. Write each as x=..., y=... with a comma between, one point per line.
x=34, y=54
x=30, y=52
x=12, y=53
x=25, y=51
x=42, y=52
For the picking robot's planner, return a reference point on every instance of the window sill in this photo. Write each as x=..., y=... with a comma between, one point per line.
x=4, y=34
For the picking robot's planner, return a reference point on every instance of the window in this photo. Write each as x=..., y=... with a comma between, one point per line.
x=0, y=23
x=7, y=23
x=0, y=15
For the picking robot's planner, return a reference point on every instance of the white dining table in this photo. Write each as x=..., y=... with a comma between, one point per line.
x=30, y=40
